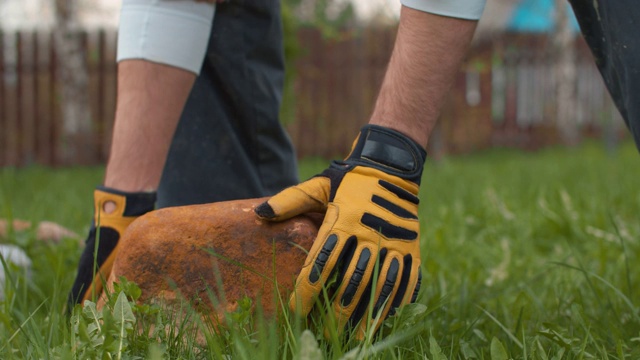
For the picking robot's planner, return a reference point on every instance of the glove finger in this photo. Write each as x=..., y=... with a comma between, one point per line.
x=309, y=196
x=414, y=284
x=314, y=277
x=408, y=280
x=356, y=281
x=391, y=287
x=325, y=253
x=386, y=286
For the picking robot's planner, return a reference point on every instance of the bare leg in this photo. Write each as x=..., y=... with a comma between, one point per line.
x=427, y=55
x=151, y=97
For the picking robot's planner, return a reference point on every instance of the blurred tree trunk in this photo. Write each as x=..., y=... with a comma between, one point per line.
x=566, y=76
x=73, y=84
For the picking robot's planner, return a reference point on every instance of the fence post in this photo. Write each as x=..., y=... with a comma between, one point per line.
x=10, y=80
x=3, y=103
x=28, y=97
x=44, y=116
x=72, y=72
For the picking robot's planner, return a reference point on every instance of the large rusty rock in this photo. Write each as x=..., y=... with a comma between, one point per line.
x=186, y=252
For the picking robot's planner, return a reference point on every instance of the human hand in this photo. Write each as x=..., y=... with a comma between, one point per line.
x=371, y=225
x=114, y=211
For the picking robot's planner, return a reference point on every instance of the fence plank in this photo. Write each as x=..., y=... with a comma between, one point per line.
x=308, y=98
x=98, y=108
x=56, y=114
x=11, y=81
x=28, y=98
x=43, y=105
x=3, y=105
x=92, y=51
x=108, y=58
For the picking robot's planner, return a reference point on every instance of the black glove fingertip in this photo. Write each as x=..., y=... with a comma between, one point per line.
x=265, y=211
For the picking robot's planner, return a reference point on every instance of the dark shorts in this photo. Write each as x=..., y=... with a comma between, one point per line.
x=611, y=28
x=229, y=143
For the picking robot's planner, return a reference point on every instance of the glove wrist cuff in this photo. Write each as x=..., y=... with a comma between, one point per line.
x=135, y=203
x=389, y=151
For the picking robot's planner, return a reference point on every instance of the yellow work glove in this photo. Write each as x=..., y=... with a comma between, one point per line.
x=371, y=204
x=101, y=245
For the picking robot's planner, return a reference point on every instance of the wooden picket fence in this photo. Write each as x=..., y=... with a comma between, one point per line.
x=493, y=102
x=30, y=117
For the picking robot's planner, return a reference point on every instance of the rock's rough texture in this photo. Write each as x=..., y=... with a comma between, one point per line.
x=185, y=252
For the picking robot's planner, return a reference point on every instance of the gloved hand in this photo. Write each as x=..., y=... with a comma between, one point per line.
x=371, y=204
x=101, y=244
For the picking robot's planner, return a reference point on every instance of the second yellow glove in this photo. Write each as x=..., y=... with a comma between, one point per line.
x=371, y=203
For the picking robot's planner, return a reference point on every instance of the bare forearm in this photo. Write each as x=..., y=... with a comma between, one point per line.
x=427, y=55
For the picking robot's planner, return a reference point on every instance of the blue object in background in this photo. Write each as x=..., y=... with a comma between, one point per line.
x=537, y=16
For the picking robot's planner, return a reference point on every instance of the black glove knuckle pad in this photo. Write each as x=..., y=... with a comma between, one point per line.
x=356, y=278
x=393, y=208
x=387, y=288
x=323, y=256
x=386, y=228
x=399, y=192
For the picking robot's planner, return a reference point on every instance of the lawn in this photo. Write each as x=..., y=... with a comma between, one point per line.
x=526, y=255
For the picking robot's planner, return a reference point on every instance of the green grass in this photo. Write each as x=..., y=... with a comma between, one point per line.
x=525, y=256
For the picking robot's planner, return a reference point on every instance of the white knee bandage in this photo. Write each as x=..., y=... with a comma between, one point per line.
x=169, y=32
x=463, y=9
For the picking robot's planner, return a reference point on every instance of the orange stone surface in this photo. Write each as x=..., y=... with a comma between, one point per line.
x=186, y=252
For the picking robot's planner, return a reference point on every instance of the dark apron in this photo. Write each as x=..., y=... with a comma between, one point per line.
x=229, y=143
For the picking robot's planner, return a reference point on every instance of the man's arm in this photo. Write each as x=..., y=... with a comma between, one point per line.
x=371, y=198
x=427, y=55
